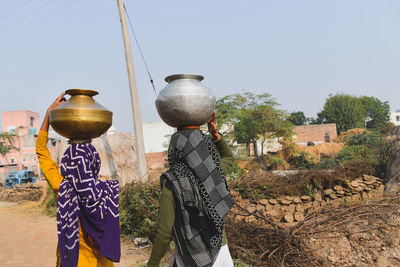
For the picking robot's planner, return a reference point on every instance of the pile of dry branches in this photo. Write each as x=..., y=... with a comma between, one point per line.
x=266, y=243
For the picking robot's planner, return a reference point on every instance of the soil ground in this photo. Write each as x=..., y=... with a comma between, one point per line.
x=29, y=238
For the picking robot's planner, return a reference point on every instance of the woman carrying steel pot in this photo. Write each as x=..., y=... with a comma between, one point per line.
x=195, y=200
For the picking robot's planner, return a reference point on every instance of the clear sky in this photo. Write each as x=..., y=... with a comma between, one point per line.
x=299, y=51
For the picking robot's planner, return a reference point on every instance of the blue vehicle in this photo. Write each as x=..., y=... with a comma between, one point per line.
x=19, y=177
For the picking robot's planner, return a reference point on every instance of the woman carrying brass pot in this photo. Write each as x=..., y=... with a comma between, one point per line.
x=87, y=208
x=195, y=200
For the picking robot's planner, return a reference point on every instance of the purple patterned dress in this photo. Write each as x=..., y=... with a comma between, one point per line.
x=82, y=197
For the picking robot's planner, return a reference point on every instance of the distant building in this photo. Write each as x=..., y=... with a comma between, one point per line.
x=395, y=117
x=25, y=124
x=315, y=133
x=156, y=136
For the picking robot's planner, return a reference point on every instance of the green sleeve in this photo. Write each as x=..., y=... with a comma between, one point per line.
x=165, y=223
x=227, y=158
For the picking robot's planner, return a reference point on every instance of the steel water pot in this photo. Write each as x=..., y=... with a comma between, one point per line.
x=185, y=101
x=80, y=118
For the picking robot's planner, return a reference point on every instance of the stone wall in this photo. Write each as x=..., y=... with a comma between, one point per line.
x=292, y=209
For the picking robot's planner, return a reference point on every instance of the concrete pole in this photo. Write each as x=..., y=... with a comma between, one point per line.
x=142, y=165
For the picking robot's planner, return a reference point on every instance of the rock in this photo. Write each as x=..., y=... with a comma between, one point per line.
x=381, y=261
x=272, y=201
x=268, y=207
x=338, y=188
x=305, y=199
x=299, y=216
x=274, y=214
x=259, y=207
x=251, y=208
x=297, y=200
x=316, y=204
x=285, y=202
x=318, y=196
x=381, y=188
x=328, y=191
x=299, y=208
x=288, y=217
x=364, y=195
x=263, y=201
x=333, y=196
x=276, y=207
x=291, y=208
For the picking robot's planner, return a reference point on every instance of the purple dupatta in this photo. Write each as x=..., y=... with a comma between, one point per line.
x=82, y=197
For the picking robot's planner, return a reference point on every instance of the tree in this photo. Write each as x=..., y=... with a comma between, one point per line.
x=298, y=118
x=7, y=143
x=345, y=110
x=377, y=113
x=253, y=116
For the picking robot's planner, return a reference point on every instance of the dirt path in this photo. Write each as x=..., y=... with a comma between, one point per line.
x=28, y=238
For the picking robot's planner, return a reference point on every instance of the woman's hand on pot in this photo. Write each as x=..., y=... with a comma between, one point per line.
x=212, y=126
x=59, y=100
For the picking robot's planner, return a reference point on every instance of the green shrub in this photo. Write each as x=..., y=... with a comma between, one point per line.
x=51, y=203
x=303, y=160
x=326, y=163
x=139, y=205
x=275, y=162
x=239, y=263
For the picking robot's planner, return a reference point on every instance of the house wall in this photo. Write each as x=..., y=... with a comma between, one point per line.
x=315, y=133
x=156, y=136
x=395, y=118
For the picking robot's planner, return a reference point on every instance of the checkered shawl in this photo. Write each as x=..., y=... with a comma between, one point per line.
x=82, y=197
x=201, y=197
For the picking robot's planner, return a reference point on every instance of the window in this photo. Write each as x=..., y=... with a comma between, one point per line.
x=23, y=159
x=327, y=137
x=12, y=160
x=397, y=118
x=31, y=121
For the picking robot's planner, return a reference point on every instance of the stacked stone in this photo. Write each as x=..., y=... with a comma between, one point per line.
x=365, y=187
x=292, y=209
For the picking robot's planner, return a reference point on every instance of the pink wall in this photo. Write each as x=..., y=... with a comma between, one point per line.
x=19, y=118
x=26, y=142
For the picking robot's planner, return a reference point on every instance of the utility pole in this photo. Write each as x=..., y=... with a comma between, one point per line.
x=142, y=165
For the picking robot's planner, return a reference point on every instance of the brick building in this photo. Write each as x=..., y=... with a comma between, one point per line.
x=25, y=124
x=315, y=133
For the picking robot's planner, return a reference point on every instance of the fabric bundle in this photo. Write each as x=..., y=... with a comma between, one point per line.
x=201, y=197
x=82, y=197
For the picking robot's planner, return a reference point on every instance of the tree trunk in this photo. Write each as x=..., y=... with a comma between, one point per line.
x=255, y=149
x=248, y=149
x=392, y=179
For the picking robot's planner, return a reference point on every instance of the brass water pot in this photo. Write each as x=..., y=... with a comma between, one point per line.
x=80, y=118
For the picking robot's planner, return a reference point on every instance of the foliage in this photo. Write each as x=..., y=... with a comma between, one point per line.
x=345, y=110
x=51, y=203
x=275, y=162
x=236, y=172
x=7, y=143
x=303, y=160
x=376, y=112
x=350, y=112
x=239, y=263
x=139, y=209
x=298, y=118
x=253, y=116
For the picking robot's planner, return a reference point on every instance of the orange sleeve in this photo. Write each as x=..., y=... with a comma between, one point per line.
x=48, y=166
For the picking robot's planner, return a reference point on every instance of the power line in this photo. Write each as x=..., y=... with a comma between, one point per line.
x=14, y=10
x=39, y=22
x=140, y=51
x=26, y=16
x=48, y=29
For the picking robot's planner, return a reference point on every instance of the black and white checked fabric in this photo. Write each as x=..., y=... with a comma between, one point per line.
x=202, y=197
